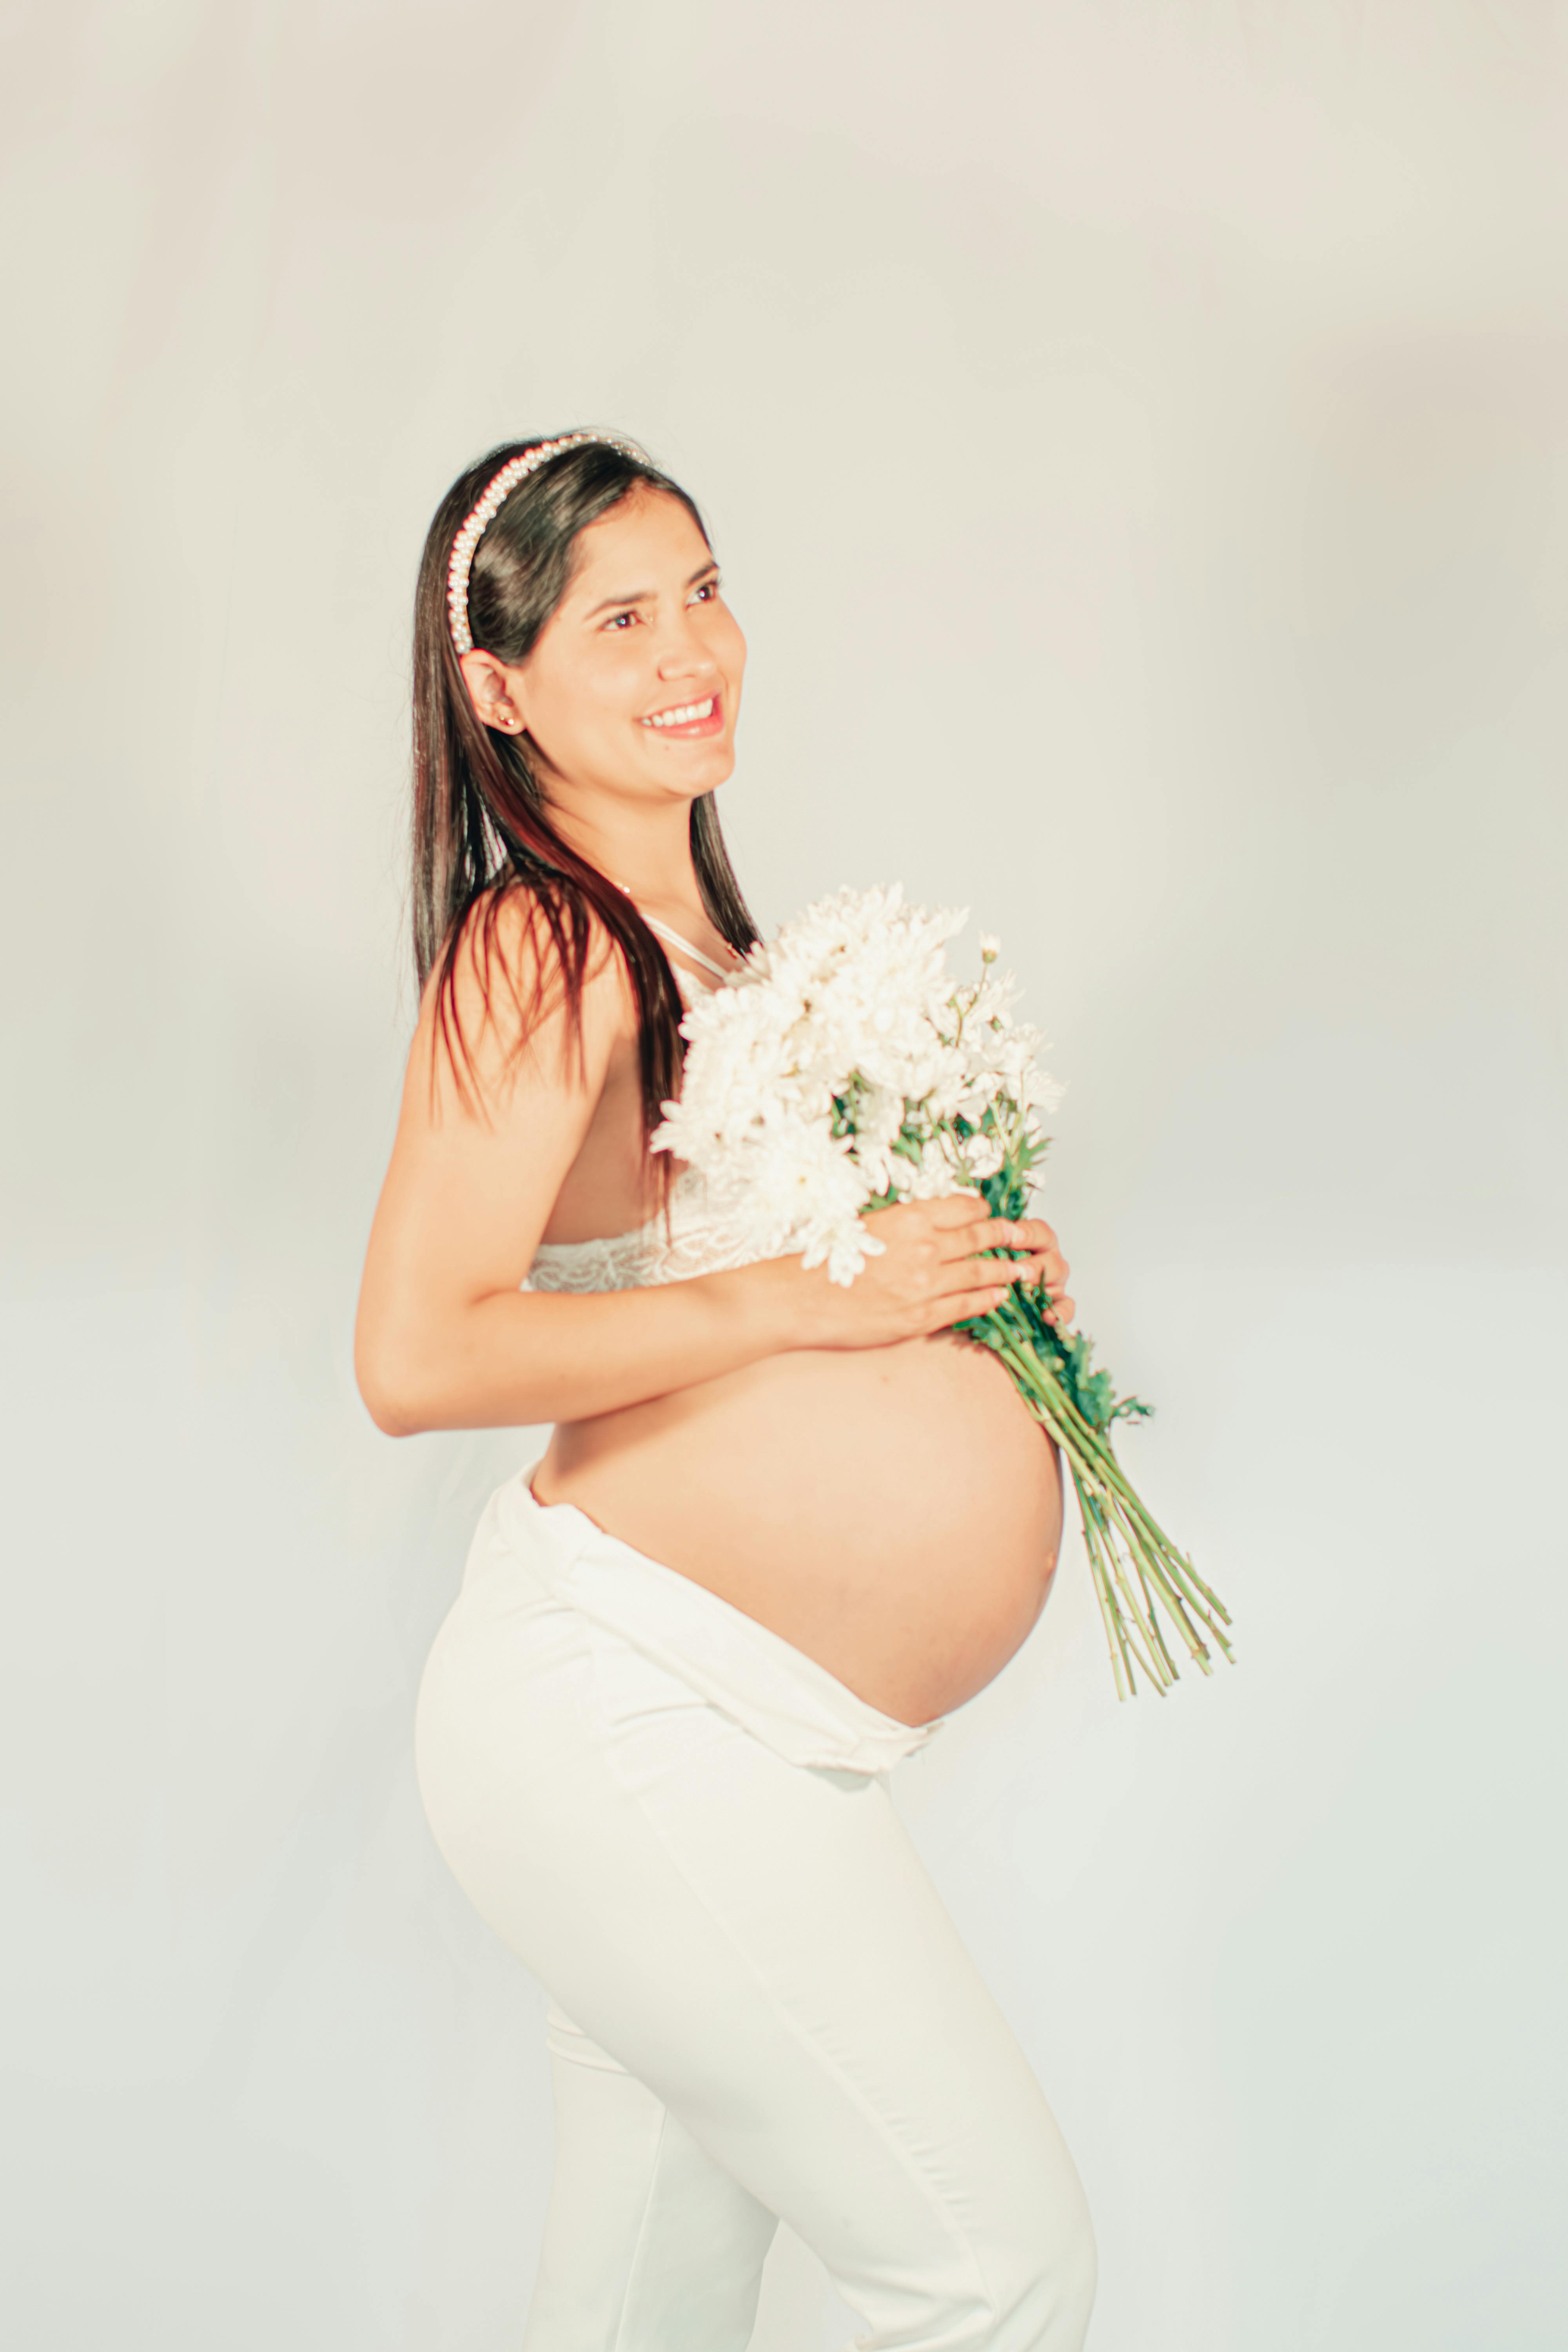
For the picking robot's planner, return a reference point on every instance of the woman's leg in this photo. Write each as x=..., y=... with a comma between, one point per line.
x=648, y=2240
x=759, y=1946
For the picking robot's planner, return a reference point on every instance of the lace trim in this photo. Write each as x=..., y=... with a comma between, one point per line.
x=693, y=1244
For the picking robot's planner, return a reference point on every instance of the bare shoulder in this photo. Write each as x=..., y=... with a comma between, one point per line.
x=525, y=997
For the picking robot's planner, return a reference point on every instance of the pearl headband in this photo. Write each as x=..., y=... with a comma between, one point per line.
x=515, y=470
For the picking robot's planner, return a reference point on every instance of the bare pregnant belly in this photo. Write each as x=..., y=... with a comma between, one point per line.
x=894, y=1512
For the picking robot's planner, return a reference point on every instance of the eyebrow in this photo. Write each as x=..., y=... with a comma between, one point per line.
x=642, y=595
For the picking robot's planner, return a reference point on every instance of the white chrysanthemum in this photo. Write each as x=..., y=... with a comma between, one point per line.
x=830, y=1072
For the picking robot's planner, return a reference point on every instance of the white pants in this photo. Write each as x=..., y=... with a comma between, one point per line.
x=682, y=1825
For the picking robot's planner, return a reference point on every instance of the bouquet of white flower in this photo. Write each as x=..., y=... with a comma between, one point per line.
x=845, y=1069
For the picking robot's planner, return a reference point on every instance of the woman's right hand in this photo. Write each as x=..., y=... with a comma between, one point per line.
x=927, y=1275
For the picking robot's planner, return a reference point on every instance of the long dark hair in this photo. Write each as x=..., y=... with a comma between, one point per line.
x=482, y=830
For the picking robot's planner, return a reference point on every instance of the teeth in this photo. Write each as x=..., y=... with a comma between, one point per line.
x=684, y=716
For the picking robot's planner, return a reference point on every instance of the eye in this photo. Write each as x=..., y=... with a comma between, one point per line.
x=707, y=594
x=620, y=620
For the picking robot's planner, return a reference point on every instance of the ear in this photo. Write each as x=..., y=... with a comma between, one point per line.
x=492, y=690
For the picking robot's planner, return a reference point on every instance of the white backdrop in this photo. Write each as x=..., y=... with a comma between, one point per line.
x=1134, y=433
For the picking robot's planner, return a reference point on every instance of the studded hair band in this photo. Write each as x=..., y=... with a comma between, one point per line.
x=515, y=470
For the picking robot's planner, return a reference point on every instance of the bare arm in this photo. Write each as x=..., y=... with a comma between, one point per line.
x=448, y=1339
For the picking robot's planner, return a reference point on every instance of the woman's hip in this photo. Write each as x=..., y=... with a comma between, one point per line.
x=602, y=1747
x=548, y=1598
x=573, y=1675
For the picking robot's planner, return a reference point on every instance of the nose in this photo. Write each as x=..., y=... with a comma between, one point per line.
x=686, y=651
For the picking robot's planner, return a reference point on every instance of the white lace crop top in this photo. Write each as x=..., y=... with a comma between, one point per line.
x=689, y=1242
x=693, y=1243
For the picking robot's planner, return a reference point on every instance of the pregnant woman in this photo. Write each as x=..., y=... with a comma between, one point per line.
x=780, y=1529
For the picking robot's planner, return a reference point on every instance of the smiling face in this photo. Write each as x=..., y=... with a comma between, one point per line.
x=633, y=683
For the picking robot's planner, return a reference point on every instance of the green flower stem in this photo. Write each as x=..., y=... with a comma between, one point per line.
x=1172, y=1572
x=1184, y=1586
x=1163, y=1565
x=1109, y=1615
x=1199, y=1597
x=1155, y=1657
x=1135, y=1568
x=1158, y=1662
x=1143, y=1574
x=1139, y=1576
x=1117, y=1630
x=1024, y=1359
x=1143, y=1617
x=1126, y=1630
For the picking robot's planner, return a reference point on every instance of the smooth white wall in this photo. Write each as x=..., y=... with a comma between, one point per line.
x=1134, y=434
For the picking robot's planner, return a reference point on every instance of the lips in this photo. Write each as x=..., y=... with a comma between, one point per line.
x=704, y=716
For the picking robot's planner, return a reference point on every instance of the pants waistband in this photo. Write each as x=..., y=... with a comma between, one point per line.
x=750, y=1673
